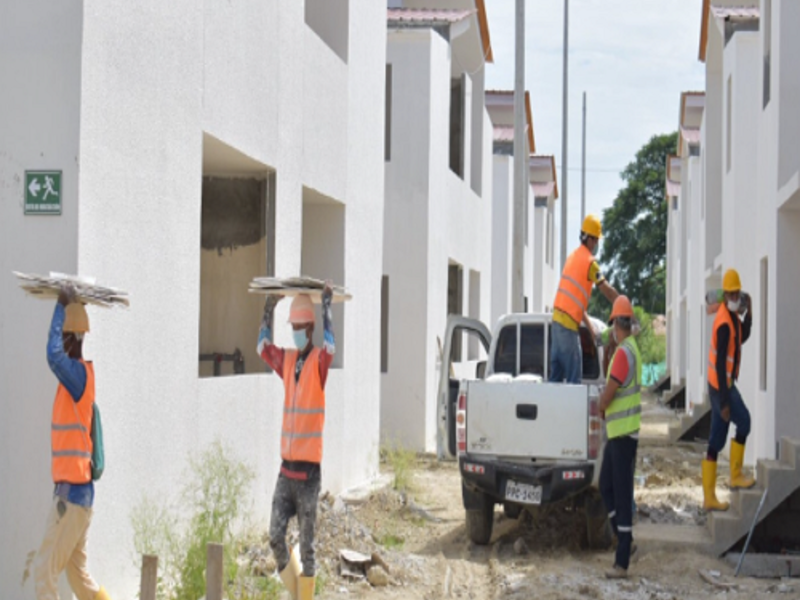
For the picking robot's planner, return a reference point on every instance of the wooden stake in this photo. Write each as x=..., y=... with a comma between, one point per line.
x=214, y=572
x=147, y=589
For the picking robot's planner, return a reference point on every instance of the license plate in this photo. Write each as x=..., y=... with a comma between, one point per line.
x=523, y=492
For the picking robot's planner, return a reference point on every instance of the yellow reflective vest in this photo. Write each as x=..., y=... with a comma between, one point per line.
x=624, y=414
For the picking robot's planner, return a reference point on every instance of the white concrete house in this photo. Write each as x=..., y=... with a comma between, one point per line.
x=737, y=207
x=500, y=105
x=199, y=145
x=438, y=212
x=544, y=191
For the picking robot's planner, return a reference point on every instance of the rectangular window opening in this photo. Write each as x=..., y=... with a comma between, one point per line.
x=728, y=120
x=474, y=350
x=236, y=243
x=455, y=303
x=457, y=124
x=387, y=150
x=764, y=310
x=385, y=324
x=766, y=35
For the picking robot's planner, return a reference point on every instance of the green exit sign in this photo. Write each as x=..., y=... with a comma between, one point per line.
x=43, y=192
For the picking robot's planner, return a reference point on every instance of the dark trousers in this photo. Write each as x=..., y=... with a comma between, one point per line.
x=740, y=416
x=616, y=488
x=295, y=497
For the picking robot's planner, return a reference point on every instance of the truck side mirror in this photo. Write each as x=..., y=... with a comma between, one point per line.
x=480, y=369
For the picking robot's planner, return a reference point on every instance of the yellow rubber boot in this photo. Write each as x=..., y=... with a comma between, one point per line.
x=291, y=572
x=737, y=458
x=102, y=594
x=710, y=501
x=305, y=587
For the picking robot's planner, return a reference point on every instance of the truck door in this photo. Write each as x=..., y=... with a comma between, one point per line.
x=471, y=365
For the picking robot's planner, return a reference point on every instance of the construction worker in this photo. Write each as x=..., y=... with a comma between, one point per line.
x=581, y=272
x=621, y=405
x=304, y=371
x=724, y=358
x=64, y=544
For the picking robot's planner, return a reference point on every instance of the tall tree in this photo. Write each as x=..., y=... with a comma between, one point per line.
x=634, y=245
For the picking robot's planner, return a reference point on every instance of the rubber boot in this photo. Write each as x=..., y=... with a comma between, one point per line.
x=737, y=458
x=710, y=501
x=102, y=594
x=305, y=587
x=291, y=572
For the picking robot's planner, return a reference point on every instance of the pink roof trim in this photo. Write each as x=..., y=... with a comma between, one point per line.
x=543, y=189
x=503, y=133
x=736, y=12
x=691, y=134
x=673, y=188
x=419, y=16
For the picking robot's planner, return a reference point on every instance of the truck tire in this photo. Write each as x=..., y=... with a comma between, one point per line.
x=480, y=520
x=598, y=534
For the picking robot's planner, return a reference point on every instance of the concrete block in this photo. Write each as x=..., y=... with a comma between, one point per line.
x=770, y=566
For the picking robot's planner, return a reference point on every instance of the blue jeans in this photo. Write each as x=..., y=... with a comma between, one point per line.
x=740, y=416
x=566, y=355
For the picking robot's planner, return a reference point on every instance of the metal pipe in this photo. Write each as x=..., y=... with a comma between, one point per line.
x=564, y=160
x=520, y=162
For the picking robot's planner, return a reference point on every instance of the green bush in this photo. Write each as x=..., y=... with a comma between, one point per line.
x=652, y=347
x=211, y=508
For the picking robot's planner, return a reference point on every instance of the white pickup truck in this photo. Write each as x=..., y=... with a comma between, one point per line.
x=521, y=441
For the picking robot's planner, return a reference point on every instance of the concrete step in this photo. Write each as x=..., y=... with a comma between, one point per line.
x=675, y=397
x=790, y=450
x=685, y=428
x=780, y=477
x=745, y=502
x=771, y=471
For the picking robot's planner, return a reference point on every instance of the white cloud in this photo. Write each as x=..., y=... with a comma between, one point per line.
x=632, y=57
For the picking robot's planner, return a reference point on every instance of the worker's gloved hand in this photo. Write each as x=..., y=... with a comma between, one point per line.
x=67, y=295
x=327, y=292
x=725, y=413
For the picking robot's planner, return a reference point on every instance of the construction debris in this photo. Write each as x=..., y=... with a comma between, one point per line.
x=293, y=286
x=377, y=576
x=86, y=289
x=715, y=579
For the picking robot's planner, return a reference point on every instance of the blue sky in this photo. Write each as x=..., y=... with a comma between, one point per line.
x=632, y=57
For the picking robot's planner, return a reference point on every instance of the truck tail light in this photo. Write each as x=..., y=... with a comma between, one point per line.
x=595, y=428
x=461, y=423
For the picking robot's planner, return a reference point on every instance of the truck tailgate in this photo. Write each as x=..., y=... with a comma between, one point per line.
x=526, y=419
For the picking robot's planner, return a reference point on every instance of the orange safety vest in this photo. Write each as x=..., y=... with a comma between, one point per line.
x=575, y=289
x=303, y=409
x=734, y=348
x=71, y=433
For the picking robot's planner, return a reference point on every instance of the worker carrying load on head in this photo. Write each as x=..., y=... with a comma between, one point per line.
x=621, y=404
x=724, y=358
x=64, y=544
x=304, y=371
x=580, y=273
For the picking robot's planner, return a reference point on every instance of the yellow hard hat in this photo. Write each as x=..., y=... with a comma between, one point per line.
x=731, y=281
x=76, y=319
x=592, y=226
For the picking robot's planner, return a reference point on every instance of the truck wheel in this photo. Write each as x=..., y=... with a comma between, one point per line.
x=598, y=528
x=480, y=520
x=512, y=511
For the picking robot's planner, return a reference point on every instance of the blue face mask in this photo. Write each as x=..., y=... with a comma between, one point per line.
x=300, y=338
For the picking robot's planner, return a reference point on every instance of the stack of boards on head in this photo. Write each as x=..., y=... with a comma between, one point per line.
x=293, y=286
x=86, y=289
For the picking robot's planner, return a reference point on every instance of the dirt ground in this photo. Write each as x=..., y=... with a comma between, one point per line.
x=421, y=537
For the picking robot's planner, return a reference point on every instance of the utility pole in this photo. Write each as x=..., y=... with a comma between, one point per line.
x=564, y=161
x=520, y=163
x=583, y=164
